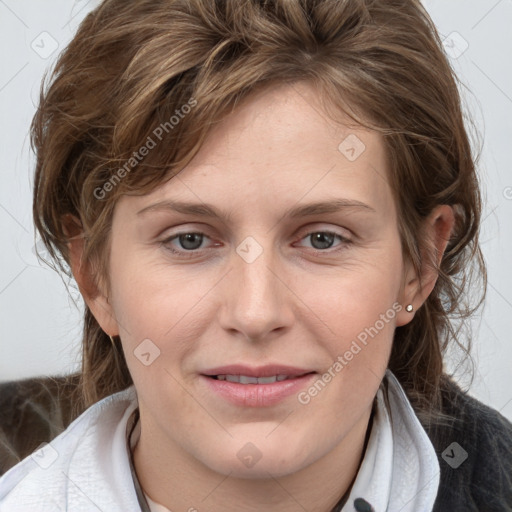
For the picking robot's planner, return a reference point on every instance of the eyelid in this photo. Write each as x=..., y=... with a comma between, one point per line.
x=322, y=228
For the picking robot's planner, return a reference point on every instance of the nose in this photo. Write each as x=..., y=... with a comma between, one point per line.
x=257, y=304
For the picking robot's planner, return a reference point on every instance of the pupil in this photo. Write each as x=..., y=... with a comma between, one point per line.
x=325, y=240
x=188, y=239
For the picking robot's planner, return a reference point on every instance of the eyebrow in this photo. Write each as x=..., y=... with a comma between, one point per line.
x=208, y=210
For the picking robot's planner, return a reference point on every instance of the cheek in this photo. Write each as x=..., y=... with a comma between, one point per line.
x=363, y=334
x=358, y=308
x=152, y=299
x=355, y=295
x=170, y=309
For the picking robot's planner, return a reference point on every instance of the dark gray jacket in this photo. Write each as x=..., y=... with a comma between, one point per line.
x=483, y=481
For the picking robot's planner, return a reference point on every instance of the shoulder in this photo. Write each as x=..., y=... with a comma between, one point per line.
x=74, y=469
x=474, y=450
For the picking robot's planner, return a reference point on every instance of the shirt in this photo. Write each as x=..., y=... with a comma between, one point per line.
x=88, y=465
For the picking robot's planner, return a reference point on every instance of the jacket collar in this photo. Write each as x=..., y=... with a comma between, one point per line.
x=400, y=469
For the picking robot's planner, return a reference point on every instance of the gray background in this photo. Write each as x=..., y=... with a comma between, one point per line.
x=40, y=321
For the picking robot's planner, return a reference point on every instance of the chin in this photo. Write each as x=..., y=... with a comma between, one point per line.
x=262, y=470
x=258, y=460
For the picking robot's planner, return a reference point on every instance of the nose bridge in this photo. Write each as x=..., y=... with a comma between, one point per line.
x=257, y=300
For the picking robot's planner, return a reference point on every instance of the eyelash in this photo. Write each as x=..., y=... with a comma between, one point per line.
x=192, y=253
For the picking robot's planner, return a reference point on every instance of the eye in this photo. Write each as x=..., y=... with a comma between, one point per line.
x=187, y=242
x=322, y=240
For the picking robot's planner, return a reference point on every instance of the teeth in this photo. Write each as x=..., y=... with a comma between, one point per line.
x=244, y=379
x=248, y=380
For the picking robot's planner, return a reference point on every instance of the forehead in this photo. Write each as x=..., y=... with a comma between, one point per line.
x=278, y=148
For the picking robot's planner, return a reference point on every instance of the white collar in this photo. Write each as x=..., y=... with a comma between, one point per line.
x=400, y=469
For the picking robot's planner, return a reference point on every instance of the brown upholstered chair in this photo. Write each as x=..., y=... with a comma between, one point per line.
x=33, y=411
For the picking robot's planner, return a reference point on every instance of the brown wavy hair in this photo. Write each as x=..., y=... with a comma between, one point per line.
x=134, y=64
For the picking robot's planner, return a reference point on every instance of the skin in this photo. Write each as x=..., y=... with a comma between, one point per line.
x=299, y=303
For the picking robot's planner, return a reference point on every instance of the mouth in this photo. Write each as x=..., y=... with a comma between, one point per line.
x=265, y=386
x=247, y=379
x=244, y=374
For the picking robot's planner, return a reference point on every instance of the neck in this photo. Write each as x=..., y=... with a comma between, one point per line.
x=177, y=480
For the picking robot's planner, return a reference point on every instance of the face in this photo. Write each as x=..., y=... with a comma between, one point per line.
x=263, y=281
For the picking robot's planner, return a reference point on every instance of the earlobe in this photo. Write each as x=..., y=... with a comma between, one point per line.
x=96, y=299
x=436, y=233
x=410, y=286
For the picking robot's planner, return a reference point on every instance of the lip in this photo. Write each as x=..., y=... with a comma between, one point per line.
x=257, y=395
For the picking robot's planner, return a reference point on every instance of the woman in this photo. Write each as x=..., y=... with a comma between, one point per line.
x=270, y=209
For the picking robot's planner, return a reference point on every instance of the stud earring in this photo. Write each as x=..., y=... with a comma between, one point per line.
x=409, y=308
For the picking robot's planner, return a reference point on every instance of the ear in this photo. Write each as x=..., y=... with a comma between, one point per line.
x=95, y=298
x=416, y=288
